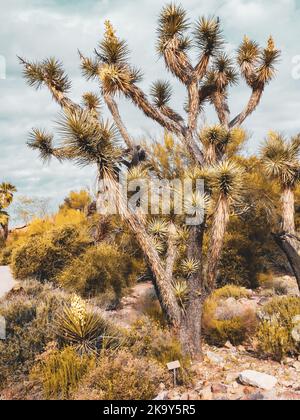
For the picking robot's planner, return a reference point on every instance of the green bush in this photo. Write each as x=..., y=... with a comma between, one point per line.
x=60, y=372
x=274, y=335
x=98, y=270
x=44, y=256
x=122, y=376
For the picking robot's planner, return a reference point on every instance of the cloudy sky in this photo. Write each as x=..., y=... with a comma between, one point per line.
x=37, y=29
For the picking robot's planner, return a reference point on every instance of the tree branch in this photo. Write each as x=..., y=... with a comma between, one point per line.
x=250, y=108
x=113, y=108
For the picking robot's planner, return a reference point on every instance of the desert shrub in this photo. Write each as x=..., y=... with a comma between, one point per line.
x=85, y=330
x=98, y=270
x=274, y=335
x=5, y=255
x=231, y=291
x=43, y=256
x=59, y=372
x=277, y=285
x=148, y=339
x=225, y=319
x=29, y=314
x=122, y=376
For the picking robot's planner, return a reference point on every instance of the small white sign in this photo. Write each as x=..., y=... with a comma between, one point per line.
x=173, y=365
x=2, y=328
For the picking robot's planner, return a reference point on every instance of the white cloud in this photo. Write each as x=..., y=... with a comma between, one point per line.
x=37, y=29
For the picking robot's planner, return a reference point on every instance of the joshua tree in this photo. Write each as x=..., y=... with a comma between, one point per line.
x=280, y=159
x=87, y=139
x=6, y=196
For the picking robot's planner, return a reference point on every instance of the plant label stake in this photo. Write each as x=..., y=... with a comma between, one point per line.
x=174, y=366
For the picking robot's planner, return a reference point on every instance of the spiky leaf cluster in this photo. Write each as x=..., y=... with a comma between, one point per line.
x=91, y=101
x=82, y=329
x=190, y=266
x=226, y=179
x=42, y=141
x=158, y=228
x=257, y=64
x=208, y=36
x=280, y=159
x=172, y=21
x=181, y=292
x=161, y=93
x=112, y=50
x=88, y=141
x=49, y=72
x=116, y=78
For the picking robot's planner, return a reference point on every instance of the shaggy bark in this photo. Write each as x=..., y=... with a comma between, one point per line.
x=288, y=211
x=191, y=321
x=284, y=242
x=250, y=108
x=219, y=226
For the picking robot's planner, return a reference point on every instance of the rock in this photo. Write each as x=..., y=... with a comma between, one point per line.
x=173, y=395
x=241, y=349
x=231, y=377
x=206, y=394
x=214, y=358
x=219, y=389
x=296, y=365
x=190, y=396
x=288, y=361
x=257, y=396
x=162, y=396
x=296, y=333
x=258, y=380
x=289, y=396
x=161, y=387
x=184, y=397
x=229, y=346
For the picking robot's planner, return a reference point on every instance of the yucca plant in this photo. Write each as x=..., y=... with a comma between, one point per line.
x=86, y=331
x=86, y=138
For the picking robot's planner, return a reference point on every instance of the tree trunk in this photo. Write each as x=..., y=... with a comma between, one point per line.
x=287, y=241
x=162, y=286
x=217, y=234
x=284, y=242
x=288, y=211
x=190, y=328
x=4, y=231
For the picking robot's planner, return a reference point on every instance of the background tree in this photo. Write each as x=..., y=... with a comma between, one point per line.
x=87, y=139
x=28, y=208
x=6, y=197
x=280, y=159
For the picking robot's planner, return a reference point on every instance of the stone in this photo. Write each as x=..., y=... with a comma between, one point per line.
x=214, y=358
x=258, y=380
x=229, y=346
x=206, y=394
x=162, y=396
x=231, y=377
x=191, y=396
x=162, y=387
x=289, y=396
x=219, y=389
x=173, y=395
x=296, y=333
x=296, y=365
